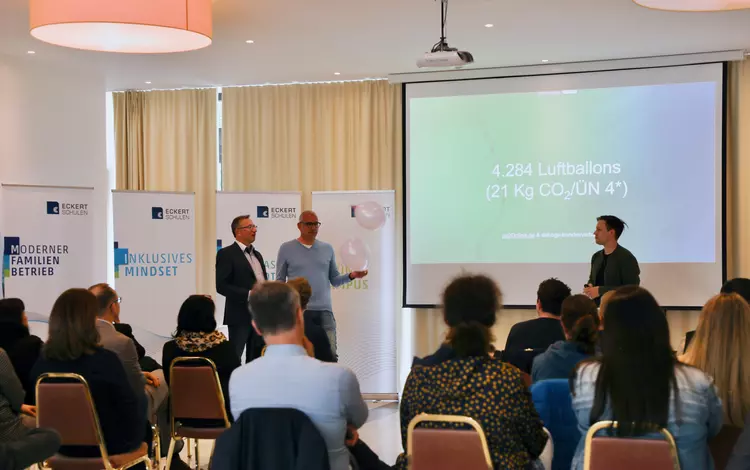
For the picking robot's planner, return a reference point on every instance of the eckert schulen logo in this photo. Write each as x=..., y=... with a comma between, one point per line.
x=66, y=208
x=169, y=213
x=266, y=212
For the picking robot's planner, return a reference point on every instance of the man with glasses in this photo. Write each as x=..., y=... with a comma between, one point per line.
x=149, y=385
x=239, y=267
x=315, y=261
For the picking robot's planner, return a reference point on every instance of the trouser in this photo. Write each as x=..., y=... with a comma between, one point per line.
x=158, y=406
x=244, y=337
x=325, y=319
x=37, y=446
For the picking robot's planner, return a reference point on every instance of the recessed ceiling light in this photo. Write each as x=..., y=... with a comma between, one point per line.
x=489, y=25
x=148, y=83
x=250, y=41
x=30, y=52
x=544, y=61
x=337, y=73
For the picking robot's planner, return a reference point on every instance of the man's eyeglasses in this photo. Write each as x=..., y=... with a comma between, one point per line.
x=249, y=227
x=312, y=224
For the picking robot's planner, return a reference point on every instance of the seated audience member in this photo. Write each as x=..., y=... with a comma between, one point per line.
x=196, y=336
x=73, y=347
x=286, y=377
x=16, y=419
x=721, y=349
x=313, y=332
x=639, y=383
x=109, y=310
x=739, y=285
x=152, y=382
x=462, y=379
x=580, y=321
x=541, y=332
x=22, y=347
x=36, y=446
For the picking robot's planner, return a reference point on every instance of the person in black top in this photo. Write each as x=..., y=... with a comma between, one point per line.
x=532, y=337
x=22, y=347
x=73, y=347
x=239, y=267
x=196, y=336
x=614, y=265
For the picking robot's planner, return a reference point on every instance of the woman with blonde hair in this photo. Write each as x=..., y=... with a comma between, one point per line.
x=720, y=348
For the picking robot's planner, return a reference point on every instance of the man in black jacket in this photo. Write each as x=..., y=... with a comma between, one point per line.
x=239, y=267
x=614, y=266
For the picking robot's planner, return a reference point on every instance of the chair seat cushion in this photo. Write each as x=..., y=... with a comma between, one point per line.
x=62, y=462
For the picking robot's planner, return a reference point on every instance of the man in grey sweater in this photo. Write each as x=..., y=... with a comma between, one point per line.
x=314, y=260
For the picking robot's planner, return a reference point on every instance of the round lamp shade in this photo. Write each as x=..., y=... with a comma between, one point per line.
x=694, y=5
x=131, y=26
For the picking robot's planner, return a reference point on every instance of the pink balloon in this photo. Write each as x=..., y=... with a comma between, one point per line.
x=355, y=254
x=370, y=215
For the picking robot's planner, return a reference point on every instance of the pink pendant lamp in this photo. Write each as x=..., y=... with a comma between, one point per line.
x=694, y=5
x=131, y=26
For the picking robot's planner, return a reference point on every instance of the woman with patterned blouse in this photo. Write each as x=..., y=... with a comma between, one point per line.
x=196, y=336
x=462, y=379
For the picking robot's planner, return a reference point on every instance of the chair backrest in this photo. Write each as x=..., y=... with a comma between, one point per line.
x=553, y=402
x=722, y=445
x=621, y=453
x=196, y=390
x=446, y=448
x=64, y=404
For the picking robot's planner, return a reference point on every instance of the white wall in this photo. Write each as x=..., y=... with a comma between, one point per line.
x=53, y=132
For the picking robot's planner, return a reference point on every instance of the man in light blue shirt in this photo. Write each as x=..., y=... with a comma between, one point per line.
x=315, y=261
x=286, y=377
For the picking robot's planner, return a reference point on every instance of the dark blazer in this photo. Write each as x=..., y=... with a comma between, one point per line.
x=234, y=280
x=147, y=363
x=223, y=355
x=23, y=350
x=622, y=270
x=277, y=438
x=120, y=416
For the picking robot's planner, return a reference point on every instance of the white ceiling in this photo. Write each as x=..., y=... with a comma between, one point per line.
x=309, y=40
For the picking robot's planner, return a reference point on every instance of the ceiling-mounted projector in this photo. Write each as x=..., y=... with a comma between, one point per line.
x=445, y=59
x=442, y=55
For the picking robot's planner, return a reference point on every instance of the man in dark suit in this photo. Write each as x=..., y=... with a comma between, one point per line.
x=614, y=265
x=239, y=267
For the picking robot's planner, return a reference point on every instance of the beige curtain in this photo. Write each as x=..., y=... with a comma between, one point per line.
x=738, y=169
x=312, y=137
x=166, y=141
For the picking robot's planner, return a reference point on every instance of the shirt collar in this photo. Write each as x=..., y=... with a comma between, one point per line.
x=105, y=322
x=243, y=247
x=285, y=350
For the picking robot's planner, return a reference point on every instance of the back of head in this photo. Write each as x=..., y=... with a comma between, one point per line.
x=72, y=326
x=721, y=348
x=11, y=311
x=275, y=307
x=581, y=321
x=470, y=306
x=196, y=315
x=739, y=285
x=551, y=294
x=105, y=295
x=613, y=223
x=637, y=364
x=303, y=288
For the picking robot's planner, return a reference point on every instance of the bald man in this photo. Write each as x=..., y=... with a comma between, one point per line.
x=315, y=261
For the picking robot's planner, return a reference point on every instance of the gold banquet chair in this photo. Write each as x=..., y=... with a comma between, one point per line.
x=627, y=453
x=446, y=448
x=64, y=403
x=196, y=393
